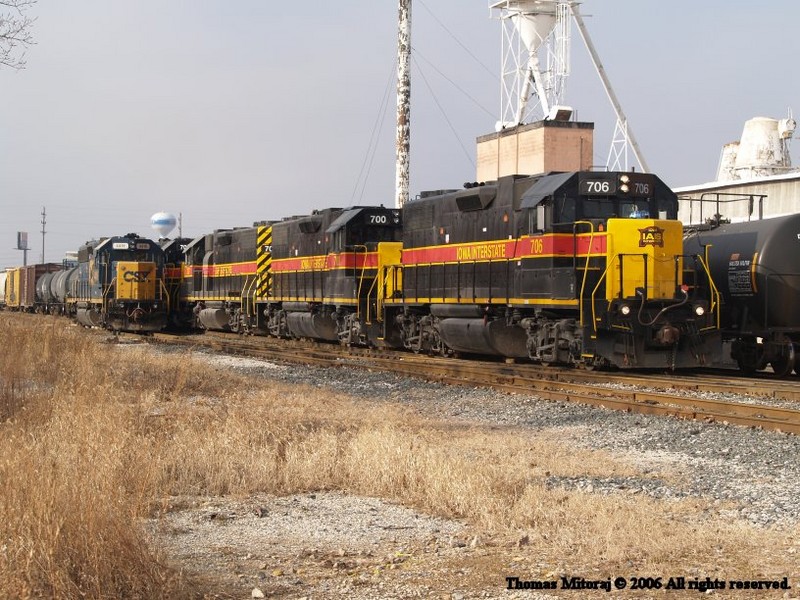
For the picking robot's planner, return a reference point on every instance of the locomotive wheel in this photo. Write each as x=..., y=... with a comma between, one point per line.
x=783, y=365
x=751, y=358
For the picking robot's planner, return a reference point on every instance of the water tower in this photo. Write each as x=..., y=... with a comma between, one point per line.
x=162, y=223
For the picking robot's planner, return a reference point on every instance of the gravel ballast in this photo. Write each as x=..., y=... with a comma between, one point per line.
x=757, y=471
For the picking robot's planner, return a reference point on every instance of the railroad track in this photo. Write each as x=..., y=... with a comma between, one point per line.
x=674, y=395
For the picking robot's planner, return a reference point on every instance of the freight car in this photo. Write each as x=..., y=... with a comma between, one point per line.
x=28, y=287
x=756, y=266
x=118, y=284
x=552, y=268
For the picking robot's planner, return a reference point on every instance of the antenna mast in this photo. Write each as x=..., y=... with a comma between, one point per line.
x=403, y=102
x=44, y=221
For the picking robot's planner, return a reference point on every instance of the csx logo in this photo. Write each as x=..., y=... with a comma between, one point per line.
x=136, y=276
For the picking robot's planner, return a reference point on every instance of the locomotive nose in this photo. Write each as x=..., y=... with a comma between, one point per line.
x=668, y=335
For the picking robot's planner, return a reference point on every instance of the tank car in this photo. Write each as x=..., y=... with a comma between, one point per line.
x=28, y=287
x=60, y=286
x=119, y=284
x=564, y=268
x=322, y=281
x=756, y=266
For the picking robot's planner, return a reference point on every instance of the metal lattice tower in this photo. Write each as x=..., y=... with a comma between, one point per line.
x=536, y=63
x=535, y=57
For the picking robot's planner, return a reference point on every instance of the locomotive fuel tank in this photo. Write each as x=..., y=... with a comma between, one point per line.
x=756, y=267
x=214, y=318
x=304, y=323
x=464, y=329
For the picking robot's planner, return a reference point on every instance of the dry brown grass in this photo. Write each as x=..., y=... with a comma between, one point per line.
x=94, y=437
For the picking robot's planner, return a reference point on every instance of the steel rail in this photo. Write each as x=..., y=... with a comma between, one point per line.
x=548, y=383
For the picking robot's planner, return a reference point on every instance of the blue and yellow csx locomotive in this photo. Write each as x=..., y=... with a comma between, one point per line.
x=119, y=284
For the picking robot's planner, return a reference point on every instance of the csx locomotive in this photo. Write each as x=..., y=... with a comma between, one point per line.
x=579, y=268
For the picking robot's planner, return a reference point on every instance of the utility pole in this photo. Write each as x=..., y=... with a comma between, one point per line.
x=44, y=221
x=403, y=102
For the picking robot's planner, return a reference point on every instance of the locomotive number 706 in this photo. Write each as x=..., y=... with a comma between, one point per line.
x=598, y=187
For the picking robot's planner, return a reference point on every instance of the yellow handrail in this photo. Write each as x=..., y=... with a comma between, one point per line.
x=361, y=276
x=715, y=295
x=594, y=291
x=586, y=266
x=245, y=298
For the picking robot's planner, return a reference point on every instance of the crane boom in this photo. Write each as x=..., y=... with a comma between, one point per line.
x=622, y=120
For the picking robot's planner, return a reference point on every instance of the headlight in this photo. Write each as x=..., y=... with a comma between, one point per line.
x=625, y=309
x=699, y=311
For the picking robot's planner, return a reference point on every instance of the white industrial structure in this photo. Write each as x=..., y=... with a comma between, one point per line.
x=536, y=40
x=763, y=150
x=533, y=86
x=755, y=177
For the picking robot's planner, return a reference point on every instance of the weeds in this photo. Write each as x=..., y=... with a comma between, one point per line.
x=94, y=437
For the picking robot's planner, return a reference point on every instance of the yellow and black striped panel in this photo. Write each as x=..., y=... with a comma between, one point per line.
x=263, y=261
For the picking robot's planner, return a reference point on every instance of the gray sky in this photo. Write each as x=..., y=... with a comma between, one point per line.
x=232, y=111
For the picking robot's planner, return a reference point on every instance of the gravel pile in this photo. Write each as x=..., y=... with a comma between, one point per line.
x=755, y=471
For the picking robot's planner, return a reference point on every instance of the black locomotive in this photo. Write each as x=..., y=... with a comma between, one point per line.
x=312, y=276
x=567, y=268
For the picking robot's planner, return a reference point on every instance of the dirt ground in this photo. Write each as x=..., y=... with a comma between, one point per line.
x=331, y=545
